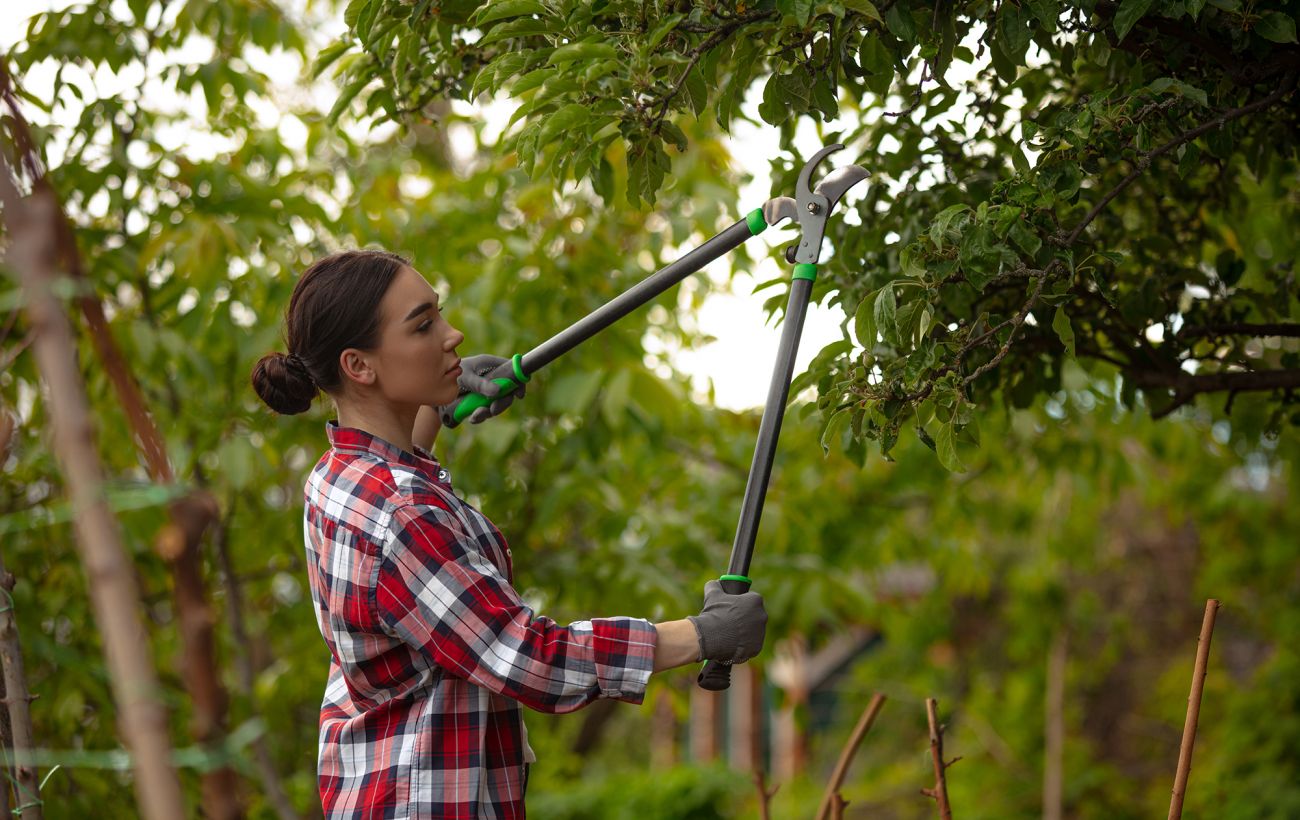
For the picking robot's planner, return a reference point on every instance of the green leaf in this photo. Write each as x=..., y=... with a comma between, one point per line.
x=874, y=57
x=1277, y=26
x=1061, y=324
x=899, y=20
x=833, y=429
x=942, y=222
x=697, y=91
x=505, y=9
x=945, y=445
x=663, y=30
x=567, y=118
x=865, y=8
x=582, y=51
x=886, y=314
x=864, y=320
x=1130, y=11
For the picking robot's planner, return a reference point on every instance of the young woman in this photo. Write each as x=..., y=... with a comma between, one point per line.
x=432, y=651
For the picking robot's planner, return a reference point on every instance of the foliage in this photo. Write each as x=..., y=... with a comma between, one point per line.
x=1053, y=180
x=617, y=490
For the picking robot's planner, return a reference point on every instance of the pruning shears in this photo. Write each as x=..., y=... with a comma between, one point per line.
x=810, y=208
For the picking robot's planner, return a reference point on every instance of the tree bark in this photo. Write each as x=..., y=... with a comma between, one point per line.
x=141, y=717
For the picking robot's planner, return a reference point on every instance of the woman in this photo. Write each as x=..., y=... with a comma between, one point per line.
x=432, y=651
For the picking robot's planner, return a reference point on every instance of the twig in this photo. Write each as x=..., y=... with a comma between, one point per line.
x=764, y=794
x=846, y=755
x=940, y=790
x=1193, y=710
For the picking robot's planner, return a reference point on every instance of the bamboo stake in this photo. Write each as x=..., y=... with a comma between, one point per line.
x=940, y=790
x=846, y=755
x=110, y=576
x=1193, y=710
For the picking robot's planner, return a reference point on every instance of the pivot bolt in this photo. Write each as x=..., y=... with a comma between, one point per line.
x=814, y=208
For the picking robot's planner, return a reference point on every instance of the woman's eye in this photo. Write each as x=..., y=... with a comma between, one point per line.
x=425, y=327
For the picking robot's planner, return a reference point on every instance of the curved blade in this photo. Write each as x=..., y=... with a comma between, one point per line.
x=811, y=165
x=779, y=208
x=839, y=181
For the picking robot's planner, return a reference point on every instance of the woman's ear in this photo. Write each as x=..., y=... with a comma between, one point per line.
x=354, y=366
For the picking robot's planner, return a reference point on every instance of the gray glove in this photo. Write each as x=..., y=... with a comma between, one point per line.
x=731, y=627
x=473, y=379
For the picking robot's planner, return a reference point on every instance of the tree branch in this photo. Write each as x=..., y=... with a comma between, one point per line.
x=1239, y=329
x=1186, y=386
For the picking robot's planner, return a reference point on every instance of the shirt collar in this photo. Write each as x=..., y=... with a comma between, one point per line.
x=355, y=440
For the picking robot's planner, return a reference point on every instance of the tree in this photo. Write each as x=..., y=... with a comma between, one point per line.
x=1107, y=182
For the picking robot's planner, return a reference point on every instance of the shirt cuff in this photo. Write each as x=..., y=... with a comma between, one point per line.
x=624, y=651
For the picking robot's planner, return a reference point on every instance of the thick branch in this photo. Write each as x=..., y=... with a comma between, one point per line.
x=1239, y=329
x=1187, y=386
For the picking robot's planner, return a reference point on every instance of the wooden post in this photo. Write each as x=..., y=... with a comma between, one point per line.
x=1193, y=710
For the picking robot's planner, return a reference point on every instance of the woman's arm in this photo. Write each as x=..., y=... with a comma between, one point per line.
x=678, y=644
x=427, y=425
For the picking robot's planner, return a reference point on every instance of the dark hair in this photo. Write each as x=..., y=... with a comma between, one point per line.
x=334, y=306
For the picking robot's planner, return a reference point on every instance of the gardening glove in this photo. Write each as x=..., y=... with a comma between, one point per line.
x=730, y=627
x=473, y=379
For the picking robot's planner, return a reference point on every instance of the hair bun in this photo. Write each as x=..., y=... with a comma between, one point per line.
x=284, y=383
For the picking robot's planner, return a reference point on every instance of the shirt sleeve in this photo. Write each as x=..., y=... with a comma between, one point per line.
x=437, y=592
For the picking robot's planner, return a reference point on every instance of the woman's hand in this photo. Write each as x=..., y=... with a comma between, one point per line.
x=473, y=379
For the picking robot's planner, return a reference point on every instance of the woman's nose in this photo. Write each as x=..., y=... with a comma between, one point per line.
x=455, y=339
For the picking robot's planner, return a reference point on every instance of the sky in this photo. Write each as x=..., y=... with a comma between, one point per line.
x=738, y=364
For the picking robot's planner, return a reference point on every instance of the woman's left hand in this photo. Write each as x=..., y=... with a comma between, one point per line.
x=473, y=379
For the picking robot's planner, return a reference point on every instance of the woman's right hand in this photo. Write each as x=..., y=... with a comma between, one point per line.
x=731, y=627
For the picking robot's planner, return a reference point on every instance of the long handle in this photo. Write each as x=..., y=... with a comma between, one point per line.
x=517, y=371
x=716, y=676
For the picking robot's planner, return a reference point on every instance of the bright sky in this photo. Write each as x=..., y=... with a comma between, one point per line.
x=739, y=363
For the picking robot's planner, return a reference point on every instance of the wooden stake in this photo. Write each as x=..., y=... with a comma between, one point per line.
x=828, y=803
x=1193, y=710
x=940, y=790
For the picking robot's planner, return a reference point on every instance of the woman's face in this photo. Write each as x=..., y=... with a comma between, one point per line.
x=416, y=361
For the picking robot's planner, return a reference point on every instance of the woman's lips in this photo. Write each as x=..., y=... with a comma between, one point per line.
x=455, y=370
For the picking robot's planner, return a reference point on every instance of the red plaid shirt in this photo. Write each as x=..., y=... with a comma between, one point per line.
x=431, y=649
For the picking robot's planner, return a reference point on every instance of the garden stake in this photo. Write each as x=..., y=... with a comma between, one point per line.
x=810, y=209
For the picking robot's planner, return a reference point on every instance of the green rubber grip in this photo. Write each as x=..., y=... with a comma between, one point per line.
x=473, y=401
x=757, y=224
x=806, y=270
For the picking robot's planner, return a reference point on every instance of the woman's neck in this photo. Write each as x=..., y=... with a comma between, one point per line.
x=392, y=424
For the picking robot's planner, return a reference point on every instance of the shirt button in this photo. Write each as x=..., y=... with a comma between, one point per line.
x=443, y=475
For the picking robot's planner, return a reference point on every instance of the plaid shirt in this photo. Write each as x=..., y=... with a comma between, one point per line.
x=432, y=651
